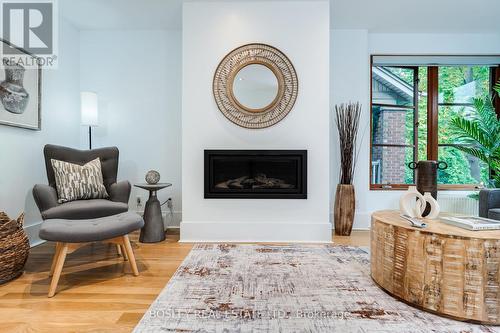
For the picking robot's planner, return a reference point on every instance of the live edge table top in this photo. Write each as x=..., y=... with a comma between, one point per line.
x=391, y=217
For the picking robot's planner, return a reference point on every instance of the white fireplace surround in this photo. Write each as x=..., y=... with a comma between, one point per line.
x=299, y=29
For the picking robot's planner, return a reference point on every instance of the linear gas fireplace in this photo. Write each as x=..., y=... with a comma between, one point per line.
x=257, y=174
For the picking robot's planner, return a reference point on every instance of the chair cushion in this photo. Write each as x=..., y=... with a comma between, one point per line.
x=77, y=182
x=494, y=214
x=90, y=230
x=85, y=209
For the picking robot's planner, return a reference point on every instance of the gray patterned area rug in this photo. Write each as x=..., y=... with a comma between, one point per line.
x=293, y=288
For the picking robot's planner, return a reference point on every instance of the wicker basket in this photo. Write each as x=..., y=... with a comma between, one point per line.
x=14, y=247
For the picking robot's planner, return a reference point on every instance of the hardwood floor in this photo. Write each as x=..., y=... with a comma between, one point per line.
x=97, y=291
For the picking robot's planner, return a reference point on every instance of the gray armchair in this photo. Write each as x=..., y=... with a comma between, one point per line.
x=489, y=203
x=119, y=192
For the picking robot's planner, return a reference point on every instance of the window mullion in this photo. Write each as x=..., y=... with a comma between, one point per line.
x=495, y=77
x=432, y=113
x=415, y=118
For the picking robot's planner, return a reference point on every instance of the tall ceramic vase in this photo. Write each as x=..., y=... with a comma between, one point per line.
x=345, y=204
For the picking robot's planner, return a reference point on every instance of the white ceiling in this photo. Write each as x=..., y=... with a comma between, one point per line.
x=416, y=15
x=378, y=16
x=123, y=14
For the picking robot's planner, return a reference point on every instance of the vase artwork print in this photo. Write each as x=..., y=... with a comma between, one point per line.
x=20, y=91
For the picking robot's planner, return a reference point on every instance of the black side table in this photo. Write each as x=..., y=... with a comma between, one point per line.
x=153, y=230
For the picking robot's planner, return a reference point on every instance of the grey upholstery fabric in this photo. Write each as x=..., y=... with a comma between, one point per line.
x=488, y=199
x=85, y=209
x=46, y=195
x=120, y=192
x=494, y=214
x=108, y=156
x=90, y=230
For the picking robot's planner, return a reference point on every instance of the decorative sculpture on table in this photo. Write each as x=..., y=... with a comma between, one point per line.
x=152, y=177
x=414, y=204
x=426, y=176
x=434, y=206
x=411, y=203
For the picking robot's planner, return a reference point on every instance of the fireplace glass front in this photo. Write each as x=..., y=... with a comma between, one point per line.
x=271, y=174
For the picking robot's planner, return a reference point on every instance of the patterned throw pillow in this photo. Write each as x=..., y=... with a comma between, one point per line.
x=76, y=182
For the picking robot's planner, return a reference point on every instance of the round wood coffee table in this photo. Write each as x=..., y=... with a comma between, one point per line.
x=443, y=269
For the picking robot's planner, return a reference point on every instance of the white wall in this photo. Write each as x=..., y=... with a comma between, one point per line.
x=137, y=75
x=22, y=163
x=350, y=83
x=350, y=52
x=301, y=31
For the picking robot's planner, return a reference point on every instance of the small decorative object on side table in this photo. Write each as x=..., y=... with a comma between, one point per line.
x=152, y=177
x=153, y=230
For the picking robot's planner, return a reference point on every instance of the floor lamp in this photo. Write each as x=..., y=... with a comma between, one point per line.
x=89, y=112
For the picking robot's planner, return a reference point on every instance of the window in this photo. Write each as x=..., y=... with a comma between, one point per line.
x=457, y=86
x=394, y=111
x=412, y=104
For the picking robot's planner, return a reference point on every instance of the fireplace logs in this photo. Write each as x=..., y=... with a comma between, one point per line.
x=260, y=181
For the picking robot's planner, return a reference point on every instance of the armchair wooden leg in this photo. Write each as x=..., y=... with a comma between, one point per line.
x=54, y=260
x=125, y=257
x=120, y=248
x=60, y=258
x=130, y=254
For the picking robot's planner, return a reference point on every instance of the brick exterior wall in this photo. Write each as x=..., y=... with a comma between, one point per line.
x=391, y=129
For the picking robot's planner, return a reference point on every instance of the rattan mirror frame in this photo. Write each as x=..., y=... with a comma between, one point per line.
x=238, y=59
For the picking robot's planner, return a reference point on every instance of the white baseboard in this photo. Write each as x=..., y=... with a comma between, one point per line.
x=362, y=221
x=361, y=229
x=207, y=231
x=169, y=220
x=176, y=227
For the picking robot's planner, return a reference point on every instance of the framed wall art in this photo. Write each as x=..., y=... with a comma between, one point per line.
x=20, y=89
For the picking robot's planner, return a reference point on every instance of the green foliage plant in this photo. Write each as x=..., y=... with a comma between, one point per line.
x=477, y=133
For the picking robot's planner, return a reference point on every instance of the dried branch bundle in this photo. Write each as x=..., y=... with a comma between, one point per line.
x=347, y=120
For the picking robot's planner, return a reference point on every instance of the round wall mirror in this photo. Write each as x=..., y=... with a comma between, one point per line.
x=255, y=87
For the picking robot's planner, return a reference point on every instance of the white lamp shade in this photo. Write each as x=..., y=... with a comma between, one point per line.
x=89, y=108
